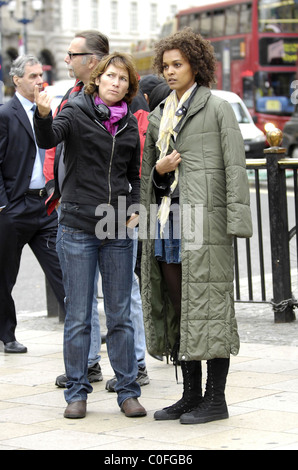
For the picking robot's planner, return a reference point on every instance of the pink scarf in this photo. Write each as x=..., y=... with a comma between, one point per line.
x=118, y=111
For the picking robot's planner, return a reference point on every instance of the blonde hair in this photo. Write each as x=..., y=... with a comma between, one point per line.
x=118, y=59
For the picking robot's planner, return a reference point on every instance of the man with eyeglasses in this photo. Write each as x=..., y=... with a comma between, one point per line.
x=71, y=55
x=85, y=52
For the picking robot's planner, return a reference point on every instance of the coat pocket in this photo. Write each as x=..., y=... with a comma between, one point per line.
x=209, y=178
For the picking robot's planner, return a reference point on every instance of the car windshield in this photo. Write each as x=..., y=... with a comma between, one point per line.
x=240, y=113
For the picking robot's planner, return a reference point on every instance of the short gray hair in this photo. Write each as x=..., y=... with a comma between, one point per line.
x=19, y=64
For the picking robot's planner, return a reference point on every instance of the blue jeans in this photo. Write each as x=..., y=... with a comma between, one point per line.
x=95, y=345
x=79, y=252
x=136, y=310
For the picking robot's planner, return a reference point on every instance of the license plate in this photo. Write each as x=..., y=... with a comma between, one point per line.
x=273, y=105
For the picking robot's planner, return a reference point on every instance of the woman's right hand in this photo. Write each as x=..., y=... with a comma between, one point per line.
x=168, y=163
x=43, y=102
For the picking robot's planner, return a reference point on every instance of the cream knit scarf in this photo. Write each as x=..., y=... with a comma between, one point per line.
x=168, y=123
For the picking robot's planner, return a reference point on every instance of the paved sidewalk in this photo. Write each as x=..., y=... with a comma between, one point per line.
x=262, y=395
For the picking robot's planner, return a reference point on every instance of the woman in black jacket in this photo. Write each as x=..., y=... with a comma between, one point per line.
x=100, y=193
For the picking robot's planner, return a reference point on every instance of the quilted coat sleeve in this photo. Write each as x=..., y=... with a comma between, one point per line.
x=239, y=221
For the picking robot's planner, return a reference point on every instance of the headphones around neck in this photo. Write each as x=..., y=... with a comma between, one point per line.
x=103, y=112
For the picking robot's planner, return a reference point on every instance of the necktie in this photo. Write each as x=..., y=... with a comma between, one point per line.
x=41, y=151
x=37, y=175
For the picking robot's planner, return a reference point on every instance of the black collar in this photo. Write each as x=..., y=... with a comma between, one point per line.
x=184, y=108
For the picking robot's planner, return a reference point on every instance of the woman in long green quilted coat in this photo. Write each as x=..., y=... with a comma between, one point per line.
x=195, y=199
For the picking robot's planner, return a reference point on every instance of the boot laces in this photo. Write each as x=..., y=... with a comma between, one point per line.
x=174, y=357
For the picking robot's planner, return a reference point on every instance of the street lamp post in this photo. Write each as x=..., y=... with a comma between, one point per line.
x=37, y=6
x=2, y=4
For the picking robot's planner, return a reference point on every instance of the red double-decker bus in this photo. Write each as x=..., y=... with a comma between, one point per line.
x=256, y=44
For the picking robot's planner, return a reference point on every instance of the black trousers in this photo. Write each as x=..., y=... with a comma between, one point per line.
x=26, y=222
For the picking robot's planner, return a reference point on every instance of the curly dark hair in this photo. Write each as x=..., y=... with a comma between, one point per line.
x=119, y=59
x=197, y=50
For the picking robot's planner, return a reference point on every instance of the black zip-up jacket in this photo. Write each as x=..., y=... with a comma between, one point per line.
x=99, y=167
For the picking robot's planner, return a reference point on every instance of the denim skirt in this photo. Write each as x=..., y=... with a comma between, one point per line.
x=168, y=248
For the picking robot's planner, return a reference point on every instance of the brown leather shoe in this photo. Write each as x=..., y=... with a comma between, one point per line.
x=132, y=408
x=76, y=410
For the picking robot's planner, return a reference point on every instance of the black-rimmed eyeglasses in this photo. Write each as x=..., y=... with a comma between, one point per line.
x=73, y=54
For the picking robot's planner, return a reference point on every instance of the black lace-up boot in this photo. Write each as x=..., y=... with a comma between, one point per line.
x=192, y=392
x=213, y=407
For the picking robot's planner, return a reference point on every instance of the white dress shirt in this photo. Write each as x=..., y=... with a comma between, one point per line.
x=37, y=179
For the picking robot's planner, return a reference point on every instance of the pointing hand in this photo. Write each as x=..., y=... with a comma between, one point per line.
x=43, y=102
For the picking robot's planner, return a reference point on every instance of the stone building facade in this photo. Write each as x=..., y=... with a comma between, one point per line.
x=47, y=34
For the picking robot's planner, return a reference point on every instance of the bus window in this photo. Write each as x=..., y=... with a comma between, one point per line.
x=245, y=20
x=278, y=17
x=295, y=18
x=273, y=93
x=232, y=20
x=218, y=23
x=184, y=21
x=206, y=24
x=195, y=23
x=278, y=51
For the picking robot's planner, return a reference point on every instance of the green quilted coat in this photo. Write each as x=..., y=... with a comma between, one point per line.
x=215, y=207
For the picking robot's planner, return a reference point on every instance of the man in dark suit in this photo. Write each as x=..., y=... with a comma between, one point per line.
x=23, y=217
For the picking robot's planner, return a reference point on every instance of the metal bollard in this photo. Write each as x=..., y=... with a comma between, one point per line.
x=283, y=302
x=53, y=307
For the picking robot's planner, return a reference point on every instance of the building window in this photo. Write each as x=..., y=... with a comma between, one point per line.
x=94, y=14
x=133, y=16
x=114, y=16
x=75, y=14
x=153, y=17
x=57, y=14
